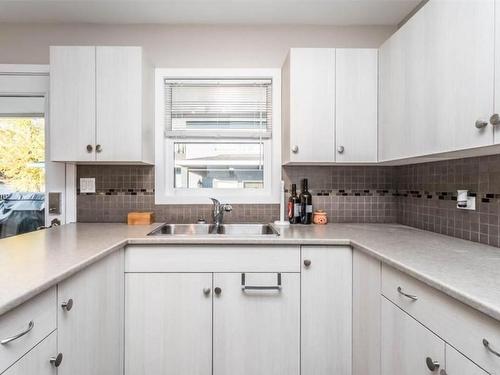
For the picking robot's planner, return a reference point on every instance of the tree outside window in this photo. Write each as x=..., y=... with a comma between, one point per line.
x=22, y=155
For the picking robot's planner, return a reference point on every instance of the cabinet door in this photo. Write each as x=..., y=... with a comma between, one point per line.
x=406, y=344
x=119, y=103
x=459, y=66
x=457, y=364
x=90, y=334
x=168, y=326
x=312, y=104
x=326, y=310
x=72, y=103
x=356, y=105
x=497, y=68
x=37, y=360
x=393, y=129
x=366, y=314
x=256, y=331
x=436, y=77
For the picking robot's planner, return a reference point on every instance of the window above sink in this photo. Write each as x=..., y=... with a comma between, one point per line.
x=218, y=134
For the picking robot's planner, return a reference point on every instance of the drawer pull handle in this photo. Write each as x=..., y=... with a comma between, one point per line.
x=410, y=296
x=261, y=287
x=486, y=344
x=432, y=365
x=31, y=324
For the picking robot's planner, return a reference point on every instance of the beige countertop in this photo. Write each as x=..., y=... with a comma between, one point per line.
x=467, y=271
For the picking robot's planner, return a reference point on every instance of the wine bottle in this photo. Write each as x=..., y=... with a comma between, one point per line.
x=306, y=209
x=294, y=206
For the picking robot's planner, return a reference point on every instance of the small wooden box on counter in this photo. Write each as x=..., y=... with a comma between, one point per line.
x=140, y=218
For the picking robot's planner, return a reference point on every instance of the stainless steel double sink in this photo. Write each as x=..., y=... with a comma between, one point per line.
x=233, y=230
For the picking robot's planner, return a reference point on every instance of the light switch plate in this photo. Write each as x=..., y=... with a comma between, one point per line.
x=87, y=185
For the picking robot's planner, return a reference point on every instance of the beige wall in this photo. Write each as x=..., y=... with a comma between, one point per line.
x=186, y=46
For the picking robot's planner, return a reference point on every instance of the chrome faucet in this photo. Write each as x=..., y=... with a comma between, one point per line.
x=218, y=213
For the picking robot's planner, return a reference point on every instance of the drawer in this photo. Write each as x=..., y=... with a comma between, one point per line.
x=223, y=258
x=41, y=310
x=458, y=324
x=37, y=360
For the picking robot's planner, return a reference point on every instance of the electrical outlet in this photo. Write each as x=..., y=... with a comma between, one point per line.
x=87, y=185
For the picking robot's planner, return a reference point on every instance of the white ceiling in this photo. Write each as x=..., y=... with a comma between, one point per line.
x=244, y=12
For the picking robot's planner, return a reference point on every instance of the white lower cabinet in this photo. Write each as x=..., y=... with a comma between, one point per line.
x=326, y=310
x=365, y=314
x=457, y=364
x=38, y=360
x=168, y=323
x=256, y=330
x=408, y=348
x=90, y=319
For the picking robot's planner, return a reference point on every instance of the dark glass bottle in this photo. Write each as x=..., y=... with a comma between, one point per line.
x=306, y=208
x=294, y=206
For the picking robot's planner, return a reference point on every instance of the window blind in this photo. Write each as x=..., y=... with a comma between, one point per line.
x=218, y=108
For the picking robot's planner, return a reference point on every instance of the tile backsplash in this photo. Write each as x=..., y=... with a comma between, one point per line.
x=418, y=195
x=427, y=196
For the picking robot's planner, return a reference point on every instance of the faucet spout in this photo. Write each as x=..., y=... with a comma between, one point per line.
x=218, y=213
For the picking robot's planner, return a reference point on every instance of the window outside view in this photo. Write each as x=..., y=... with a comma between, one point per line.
x=22, y=175
x=236, y=112
x=219, y=165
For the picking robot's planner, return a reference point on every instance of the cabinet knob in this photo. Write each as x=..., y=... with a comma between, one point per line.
x=57, y=360
x=480, y=124
x=340, y=149
x=67, y=305
x=206, y=291
x=295, y=149
x=307, y=262
x=495, y=119
x=431, y=365
x=89, y=148
x=218, y=291
x=98, y=148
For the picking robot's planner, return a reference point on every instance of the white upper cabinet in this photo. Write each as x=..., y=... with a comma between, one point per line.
x=356, y=105
x=101, y=105
x=436, y=81
x=497, y=73
x=309, y=105
x=72, y=103
x=122, y=111
x=330, y=105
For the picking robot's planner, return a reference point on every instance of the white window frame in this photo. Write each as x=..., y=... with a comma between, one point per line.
x=165, y=193
x=26, y=79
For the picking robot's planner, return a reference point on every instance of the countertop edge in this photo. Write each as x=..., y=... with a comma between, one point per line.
x=453, y=293
x=60, y=277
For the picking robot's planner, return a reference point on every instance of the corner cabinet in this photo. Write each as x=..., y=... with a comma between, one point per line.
x=101, y=105
x=329, y=106
x=436, y=81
